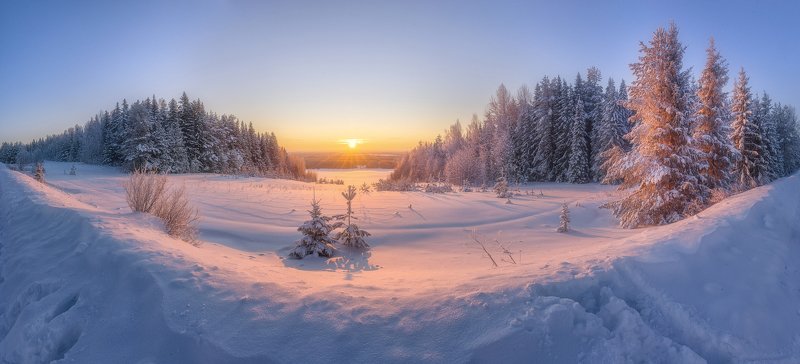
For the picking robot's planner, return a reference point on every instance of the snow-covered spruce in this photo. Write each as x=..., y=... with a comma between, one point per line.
x=350, y=235
x=661, y=171
x=564, y=225
x=746, y=136
x=316, y=238
x=73, y=171
x=38, y=174
x=501, y=188
x=711, y=133
x=578, y=167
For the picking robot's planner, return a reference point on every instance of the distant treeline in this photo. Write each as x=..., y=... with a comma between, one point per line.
x=350, y=160
x=170, y=137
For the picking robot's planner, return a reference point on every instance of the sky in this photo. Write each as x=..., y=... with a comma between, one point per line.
x=388, y=73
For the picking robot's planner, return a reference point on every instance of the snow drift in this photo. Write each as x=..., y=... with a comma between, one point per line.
x=83, y=280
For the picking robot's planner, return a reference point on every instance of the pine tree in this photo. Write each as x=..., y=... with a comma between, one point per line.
x=564, y=226
x=661, y=169
x=316, y=238
x=745, y=136
x=711, y=132
x=578, y=169
x=351, y=235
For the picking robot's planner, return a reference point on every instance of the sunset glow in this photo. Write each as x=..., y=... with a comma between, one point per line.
x=351, y=143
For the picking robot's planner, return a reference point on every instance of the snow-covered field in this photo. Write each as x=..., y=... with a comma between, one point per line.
x=82, y=279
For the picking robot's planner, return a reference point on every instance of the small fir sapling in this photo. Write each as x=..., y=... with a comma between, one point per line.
x=351, y=235
x=72, y=171
x=501, y=188
x=365, y=188
x=564, y=227
x=316, y=238
x=38, y=174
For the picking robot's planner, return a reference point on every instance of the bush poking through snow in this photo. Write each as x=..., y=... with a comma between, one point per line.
x=73, y=171
x=564, y=227
x=144, y=190
x=316, y=238
x=389, y=185
x=365, y=188
x=178, y=216
x=351, y=235
x=147, y=192
x=438, y=188
x=38, y=174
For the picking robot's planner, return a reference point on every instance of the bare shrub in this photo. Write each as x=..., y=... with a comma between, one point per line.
x=178, y=216
x=144, y=190
x=147, y=192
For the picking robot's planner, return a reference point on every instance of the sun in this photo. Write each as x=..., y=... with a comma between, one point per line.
x=351, y=143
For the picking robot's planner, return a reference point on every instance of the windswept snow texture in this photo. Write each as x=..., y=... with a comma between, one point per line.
x=84, y=280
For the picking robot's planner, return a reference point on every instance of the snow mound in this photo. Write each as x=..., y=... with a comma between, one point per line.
x=82, y=283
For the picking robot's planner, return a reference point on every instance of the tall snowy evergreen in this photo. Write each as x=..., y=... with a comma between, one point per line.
x=746, y=136
x=593, y=104
x=789, y=140
x=661, y=169
x=563, y=109
x=578, y=169
x=544, y=135
x=611, y=128
x=711, y=133
x=769, y=159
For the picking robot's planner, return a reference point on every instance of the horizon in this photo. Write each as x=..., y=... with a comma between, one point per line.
x=354, y=70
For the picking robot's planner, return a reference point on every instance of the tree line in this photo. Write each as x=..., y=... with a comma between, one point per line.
x=169, y=137
x=669, y=139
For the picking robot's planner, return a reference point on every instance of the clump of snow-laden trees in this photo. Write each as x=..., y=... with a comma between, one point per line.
x=319, y=235
x=174, y=137
x=673, y=142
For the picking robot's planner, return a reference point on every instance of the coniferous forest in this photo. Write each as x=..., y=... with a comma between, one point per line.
x=167, y=137
x=676, y=143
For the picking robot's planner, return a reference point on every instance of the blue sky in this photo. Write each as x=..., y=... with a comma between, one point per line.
x=316, y=72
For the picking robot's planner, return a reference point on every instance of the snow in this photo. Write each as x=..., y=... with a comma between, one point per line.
x=82, y=279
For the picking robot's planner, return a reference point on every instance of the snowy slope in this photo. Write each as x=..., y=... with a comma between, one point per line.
x=84, y=280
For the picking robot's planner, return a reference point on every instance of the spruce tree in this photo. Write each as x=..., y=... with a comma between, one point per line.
x=351, y=235
x=578, y=168
x=711, y=131
x=316, y=238
x=564, y=223
x=38, y=173
x=661, y=168
x=745, y=136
